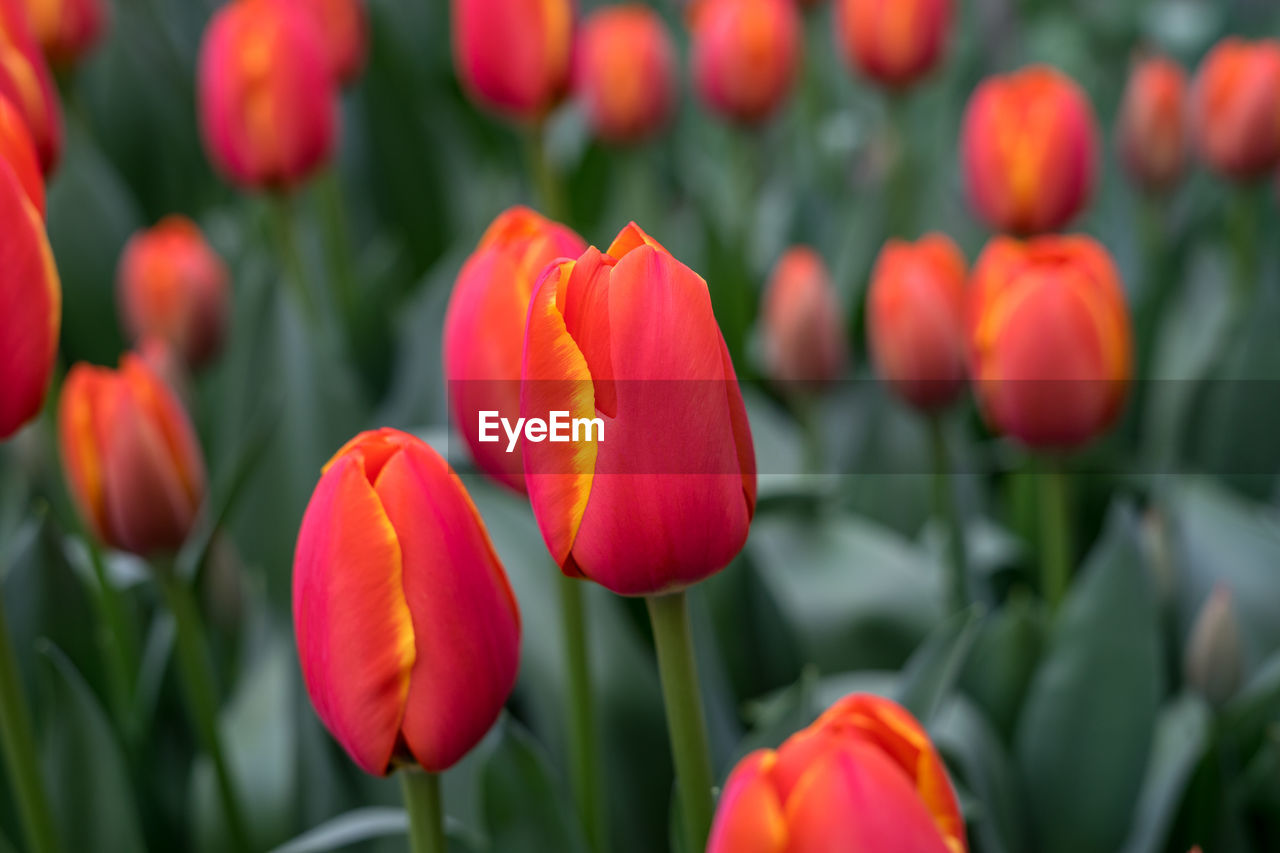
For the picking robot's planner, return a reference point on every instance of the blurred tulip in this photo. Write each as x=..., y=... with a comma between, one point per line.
x=665, y=499
x=67, y=29
x=626, y=72
x=267, y=96
x=1050, y=341
x=25, y=80
x=130, y=455
x=513, y=56
x=915, y=320
x=745, y=55
x=893, y=42
x=172, y=285
x=1213, y=664
x=484, y=327
x=804, y=330
x=167, y=364
x=344, y=28
x=1030, y=150
x=864, y=776
x=1235, y=106
x=407, y=630
x=19, y=152
x=1152, y=127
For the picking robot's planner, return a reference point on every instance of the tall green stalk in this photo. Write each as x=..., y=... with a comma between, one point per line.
x=338, y=246
x=947, y=510
x=546, y=182
x=1055, y=533
x=421, y=791
x=286, y=241
x=19, y=744
x=584, y=753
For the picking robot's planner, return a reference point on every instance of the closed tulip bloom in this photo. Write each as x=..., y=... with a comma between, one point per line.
x=893, y=42
x=407, y=630
x=25, y=80
x=804, y=331
x=665, y=497
x=745, y=55
x=1152, y=128
x=267, y=96
x=130, y=455
x=484, y=328
x=67, y=29
x=625, y=72
x=1029, y=148
x=513, y=56
x=344, y=28
x=1050, y=341
x=916, y=320
x=864, y=777
x=19, y=153
x=1236, y=108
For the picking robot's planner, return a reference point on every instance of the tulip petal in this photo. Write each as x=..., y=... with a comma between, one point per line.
x=749, y=818
x=77, y=440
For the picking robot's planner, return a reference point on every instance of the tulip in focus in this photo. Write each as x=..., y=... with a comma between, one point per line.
x=916, y=320
x=863, y=777
x=407, y=630
x=267, y=95
x=513, y=56
x=19, y=153
x=893, y=42
x=745, y=55
x=1029, y=148
x=626, y=72
x=1050, y=341
x=131, y=458
x=804, y=331
x=1153, y=131
x=484, y=327
x=67, y=29
x=1235, y=108
x=344, y=28
x=25, y=80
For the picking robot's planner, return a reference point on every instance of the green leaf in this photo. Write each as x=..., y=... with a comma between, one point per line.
x=353, y=827
x=525, y=806
x=1256, y=706
x=996, y=817
x=1182, y=736
x=1005, y=654
x=932, y=671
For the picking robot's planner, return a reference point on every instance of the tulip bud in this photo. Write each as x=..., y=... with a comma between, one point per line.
x=1050, y=341
x=915, y=320
x=864, y=776
x=26, y=82
x=1029, y=147
x=66, y=29
x=1213, y=658
x=131, y=458
x=1235, y=107
x=407, y=630
x=894, y=42
x=173, y=286
x=267, y=96
x=661, y=496
x=1152, y=133
x=344, y=29
x=625, y=72
x=745, y=55
x=804, y=331
x=484, y=328
x=513, y=56
x=19, y=152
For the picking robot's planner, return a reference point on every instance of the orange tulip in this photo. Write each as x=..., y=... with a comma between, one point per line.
x=894, y=42
x=1030, y=150
x=67, y=29
x=407, y=630
x=174, y=287
x=745, y=55
x=1236, y=108
x=625, y=72
x=804, y=330
x=864, y=778
x=1049, y=336
x=19, y=152
x=1152, y=134
x=916, y=320
x=26, y=82
x=130, y=455
x=513, y=56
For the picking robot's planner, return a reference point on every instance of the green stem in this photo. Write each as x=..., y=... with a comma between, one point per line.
x=900, y=204
x=338, y=244
x=202, y=695
x=673, y=637
x=805, y=407
x=584, y=755
x=1055, y=533
x=546, y=181
x=1246, y=217
x=421, y=792
x=291, y=258
x=19, y=744
x=946, y=509
x=116, y=639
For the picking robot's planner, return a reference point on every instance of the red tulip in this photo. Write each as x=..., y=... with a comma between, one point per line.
x=344, y=29
x=267, y=96
x=19, y=152
x=745, y=55
x=1049, y=337
x=130, y=455
x=626, y=72
x=661, y=495
x=67, y=29
x=26, y=82
x=407, y=630
x=804, y=330
x=513, y=56
x=1152, y=134
x=174, y=287
x=894, y=42
x=863, y=777
x=1236, y=108
x=1030, y=150
x=484, y=328
x=916, y=320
